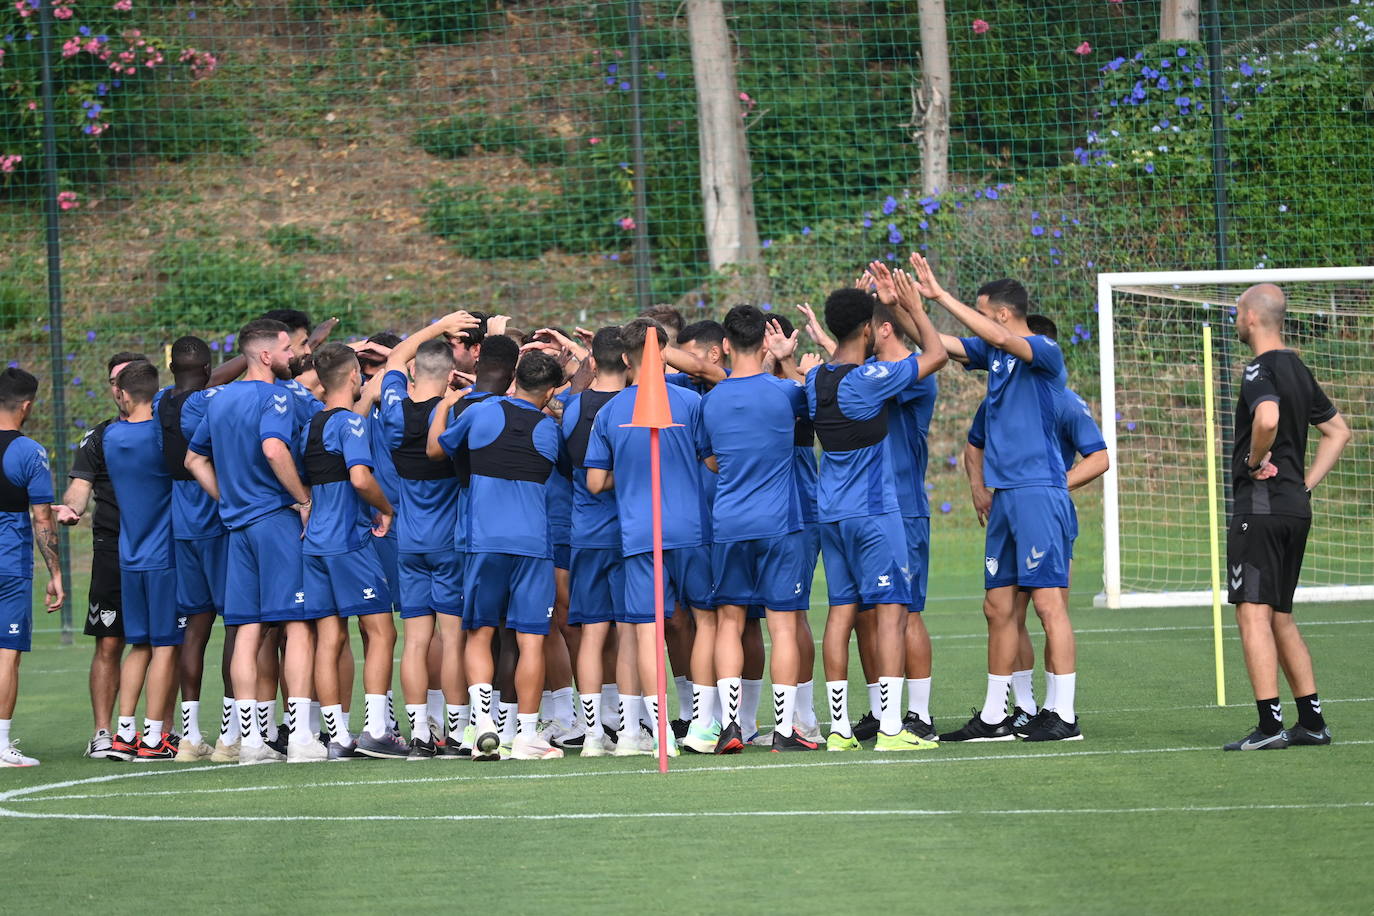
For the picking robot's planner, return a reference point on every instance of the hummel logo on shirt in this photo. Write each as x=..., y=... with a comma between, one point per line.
x=355, y=426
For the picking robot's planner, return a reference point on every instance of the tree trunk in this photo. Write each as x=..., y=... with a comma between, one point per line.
x=1179, y=20
x=732, y=235
x=930, y=101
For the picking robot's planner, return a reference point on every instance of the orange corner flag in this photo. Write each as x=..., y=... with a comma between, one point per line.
x=651, y=401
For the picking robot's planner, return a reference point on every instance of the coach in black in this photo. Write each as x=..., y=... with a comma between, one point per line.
x=1279, y=399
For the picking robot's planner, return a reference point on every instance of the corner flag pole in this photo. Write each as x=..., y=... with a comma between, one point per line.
x=1213, y=534
x=653, y=413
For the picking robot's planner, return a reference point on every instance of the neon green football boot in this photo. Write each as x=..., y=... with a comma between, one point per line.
x=903, y=741
x=838, y=742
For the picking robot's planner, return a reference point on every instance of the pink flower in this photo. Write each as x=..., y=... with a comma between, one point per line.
x=7, y=163
x=1083, y=50
x=66, y=200
x=70, y=47
x=627, y=223
x=594, y=140
x=24, y=10
x=61, y=12
x=980, y=26
x=123, y=6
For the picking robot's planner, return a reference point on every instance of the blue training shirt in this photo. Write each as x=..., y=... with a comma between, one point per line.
x=429, y=507
x=133, y=455
x=195, y=516
x=340, y=522
x=750, y=424
x=625, y=452
x=908, y=426
x=860, y=482
x=504, y=515
x=1076, y=433
x=1021, y=448
x=237, y=421
x=25, y=465
x=595, y=517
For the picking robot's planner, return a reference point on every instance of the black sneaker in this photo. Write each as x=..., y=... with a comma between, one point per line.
x=453, y=747
x=792, y=742
x=1259, y=741
x=978, y=730
x=1023, y=723
x=866, y=729
x=1299, y=736
x=388, y=747
x=919, y=727
x=278, y=744
x=422, y=750
x=680, y=727
x=1052, y=728
x=731, y=740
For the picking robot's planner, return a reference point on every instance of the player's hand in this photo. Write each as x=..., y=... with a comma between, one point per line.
x=808, y=362
x=461, y=380
x=1265, y=470
x=926, y=284
x=56, y=595
x=66, y=515
x=907, y=294
x=381, y=523
x=584, y=335
x=882, y=281
x=563, y=341
x=496, y=325
x=455, y=323
x=779, y=345
x=304, y=510
x=554, y=408
x=321, y=333
x=982, y=504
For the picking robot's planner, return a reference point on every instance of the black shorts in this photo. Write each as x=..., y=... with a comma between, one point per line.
x=1264, y=559
x=104, y=611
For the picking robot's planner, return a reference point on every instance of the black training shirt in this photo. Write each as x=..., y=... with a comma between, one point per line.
x=1279, y=376
x=89, y=464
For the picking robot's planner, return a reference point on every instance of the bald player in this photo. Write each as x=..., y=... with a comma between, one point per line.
x=1271, y=515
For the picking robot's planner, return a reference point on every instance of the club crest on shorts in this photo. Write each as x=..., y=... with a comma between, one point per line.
x=991, y=564
x=107, y=616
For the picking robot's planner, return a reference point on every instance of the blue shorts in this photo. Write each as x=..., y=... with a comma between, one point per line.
x=767, y=571
x=596, y=585
x=562, y=556
x=1028, y=538
x=686, y=581
x=503, y=586
x=16, y=613
x=917, y=559
x=431, y=583
x=1073, y=526
x=347, y=584
x=865, y=560
x=811, y=552
x=388, y=553
x=200, y=574
x=151, y=615
x=265, y=578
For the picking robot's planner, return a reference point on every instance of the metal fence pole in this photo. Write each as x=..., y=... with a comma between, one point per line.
x=1221, y=209
x=54, y=243
x=644, y=293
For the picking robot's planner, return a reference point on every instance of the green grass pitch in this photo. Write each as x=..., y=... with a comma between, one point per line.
x=1145, y=815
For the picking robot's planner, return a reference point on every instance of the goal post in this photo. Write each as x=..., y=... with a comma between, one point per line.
x=1154, y=396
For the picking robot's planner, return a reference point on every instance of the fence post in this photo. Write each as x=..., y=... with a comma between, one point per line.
x=54, y=243
x=1221, y=208
x=644, y=292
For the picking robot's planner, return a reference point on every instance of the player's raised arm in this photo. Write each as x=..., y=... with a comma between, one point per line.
x=783, y=350
x=451, y=325
x=434, y=450
x=815, y=331
x=693, y=365
x=933, y=354
x=990, y=331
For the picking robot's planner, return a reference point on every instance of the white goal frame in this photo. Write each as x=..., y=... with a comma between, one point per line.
x=1107, y=283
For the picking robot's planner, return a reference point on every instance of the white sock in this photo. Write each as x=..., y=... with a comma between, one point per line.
x=651, y=709
x=875, y=702
x=890, y=696
x=546, y=705
x=480, y=696
x=300, y=720
x=730, y=689
x=455, y=720
x=1023, y=689
x=591, y=714
x=918, y=697
x=374, y=715
x=127, y=729
x=562, y=702
x=703, y=704
x=391, y=723
x=805, y=708
x=315, y=726
x=5, y=733
x=684, y=694
x=630, y=712
x=418, y=714
x=1063, y=698
x=995, y=701
x=610, y=705
x=838, y=692
x=190, y=721
x=434, y=705
x=749, y=707
x=152, y=732
x=528, y=725
x=333, y=721
x=508, y=723
x=347, y=718
x=228, y=722
x=248, y=728
x=1051, y=690
x=784, y=701
x=267, y=723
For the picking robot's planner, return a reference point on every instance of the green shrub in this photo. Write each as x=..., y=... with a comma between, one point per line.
x=457, y=136
x=292, y=239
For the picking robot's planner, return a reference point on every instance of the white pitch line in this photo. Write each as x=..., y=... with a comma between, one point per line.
x=606, y=815
x=22, y=794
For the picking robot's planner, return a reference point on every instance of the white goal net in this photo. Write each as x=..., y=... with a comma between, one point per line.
x=1157, y=534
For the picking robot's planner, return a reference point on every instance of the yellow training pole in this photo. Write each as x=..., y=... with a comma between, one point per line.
x=1212, y=530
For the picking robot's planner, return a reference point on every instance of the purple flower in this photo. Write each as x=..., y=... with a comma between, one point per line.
x=13, y=364
x=76, y=381
x=1183, y=101
x=79, y=423
x=1058, y=233
x=229, y=339
x=615, y=257
x=890, y=256
x=612, y=68
x=767, y=306
x=929, y=485
x=1246, y=69
x=71, y=356
x=806, y=230
x=953, y=461
x=661, y=75
x=214, y=345
x=1130, y=427
x=89, y=393
x=1118, y=416
x=1182, y=52
x=1037, y=231
x=1035, y=215
x=767, y=243
x=868, y=223
x=624, y=87
x=1150, y=168
x=90, y=337
x=610, y=81
x=1163, y=82
x=923, y=225
x=946, y=508
x=992, y=194
x=889, y=205
x=894, y=237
